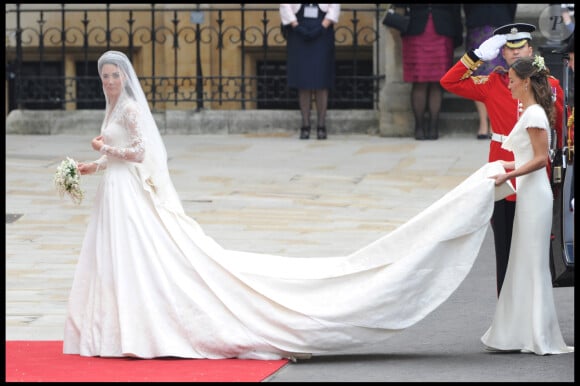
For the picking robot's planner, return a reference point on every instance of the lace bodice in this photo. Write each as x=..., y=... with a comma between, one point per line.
x=122, y=134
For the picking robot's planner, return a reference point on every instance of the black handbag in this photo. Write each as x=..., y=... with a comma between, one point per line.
x=285, y=29
x=395, y=20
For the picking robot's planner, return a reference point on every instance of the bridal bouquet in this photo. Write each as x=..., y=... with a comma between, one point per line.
x=67, y=179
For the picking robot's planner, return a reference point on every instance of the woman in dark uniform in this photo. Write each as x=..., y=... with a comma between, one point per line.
x=311, y=56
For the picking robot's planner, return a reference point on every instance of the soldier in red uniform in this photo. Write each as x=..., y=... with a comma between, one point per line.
x=514, y=41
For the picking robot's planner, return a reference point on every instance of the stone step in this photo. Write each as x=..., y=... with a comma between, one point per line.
x=458, y=123
x=455, y=104
x=87, y=122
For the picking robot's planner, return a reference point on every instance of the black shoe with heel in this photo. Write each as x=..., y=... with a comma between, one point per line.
x=433, y=132
x=305, y=132
x=419, y=134
x=321, y=133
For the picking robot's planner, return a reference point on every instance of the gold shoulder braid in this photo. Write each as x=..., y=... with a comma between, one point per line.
x=480, y=79
x=471, y=65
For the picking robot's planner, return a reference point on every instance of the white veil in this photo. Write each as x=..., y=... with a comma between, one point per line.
x=153, y=170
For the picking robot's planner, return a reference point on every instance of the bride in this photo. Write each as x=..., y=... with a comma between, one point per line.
x=150, y=283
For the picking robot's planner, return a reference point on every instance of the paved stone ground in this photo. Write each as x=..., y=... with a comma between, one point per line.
x=265, y=193
x=268, y=193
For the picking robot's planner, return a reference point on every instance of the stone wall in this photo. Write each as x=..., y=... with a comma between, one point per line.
x=193, y=122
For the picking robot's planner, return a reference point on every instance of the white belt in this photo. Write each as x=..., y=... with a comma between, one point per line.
x=498, y=137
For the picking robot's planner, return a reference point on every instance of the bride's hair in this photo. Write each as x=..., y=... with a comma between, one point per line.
x=534, y=68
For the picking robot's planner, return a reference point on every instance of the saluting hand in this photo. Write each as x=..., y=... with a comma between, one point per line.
x=489, y=49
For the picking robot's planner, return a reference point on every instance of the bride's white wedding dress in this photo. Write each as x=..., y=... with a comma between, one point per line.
x=525, y=318
x=149, y=282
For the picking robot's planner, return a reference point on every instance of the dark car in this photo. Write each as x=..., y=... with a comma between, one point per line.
x=562, y=248
x=562, y=251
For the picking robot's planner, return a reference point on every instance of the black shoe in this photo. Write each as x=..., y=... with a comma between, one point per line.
x=305, y=132
x=419, y=134
x=433, y=133
x=321, y=133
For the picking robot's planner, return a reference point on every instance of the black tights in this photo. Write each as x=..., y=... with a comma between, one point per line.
x=424, y=92
x=305, y=101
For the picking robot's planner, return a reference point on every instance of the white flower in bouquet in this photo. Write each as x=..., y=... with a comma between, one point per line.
x=67, y=179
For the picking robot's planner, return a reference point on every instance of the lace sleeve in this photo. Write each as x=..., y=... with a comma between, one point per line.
x=135, y=151
x=101, y=163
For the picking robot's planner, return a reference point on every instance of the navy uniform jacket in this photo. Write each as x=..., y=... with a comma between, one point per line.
x=480, y=15
x=447, y=20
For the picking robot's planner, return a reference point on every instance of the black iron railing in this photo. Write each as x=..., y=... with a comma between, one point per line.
x=229, y=57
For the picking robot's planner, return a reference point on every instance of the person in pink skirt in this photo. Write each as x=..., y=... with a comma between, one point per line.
x=435, y=30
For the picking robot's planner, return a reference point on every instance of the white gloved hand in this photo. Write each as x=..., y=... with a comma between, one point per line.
x=489, y=49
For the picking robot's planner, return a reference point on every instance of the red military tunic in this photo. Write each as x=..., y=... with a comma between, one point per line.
x=493, y=91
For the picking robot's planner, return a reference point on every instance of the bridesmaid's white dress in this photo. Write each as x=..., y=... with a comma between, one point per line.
x=150, y=283
x=525, y=318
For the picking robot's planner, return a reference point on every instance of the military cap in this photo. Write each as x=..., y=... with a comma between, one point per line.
x=517, y=34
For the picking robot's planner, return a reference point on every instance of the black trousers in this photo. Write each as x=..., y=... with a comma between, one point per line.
x=502, y=223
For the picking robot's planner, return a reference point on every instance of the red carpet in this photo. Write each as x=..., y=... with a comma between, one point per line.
x=43, y=361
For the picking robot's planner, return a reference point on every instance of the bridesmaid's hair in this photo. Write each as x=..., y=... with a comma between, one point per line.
x=534, y=68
